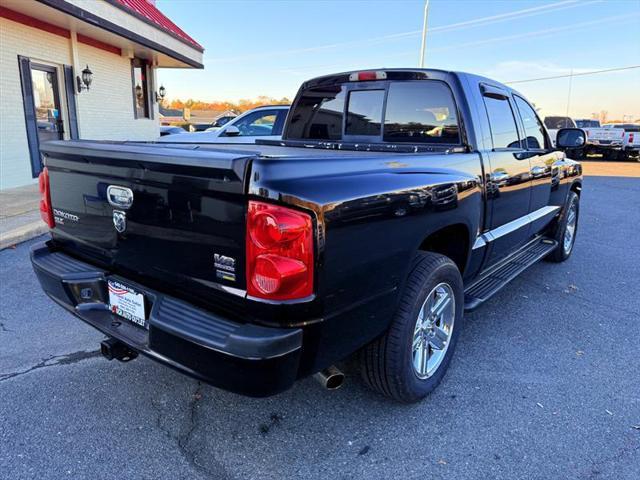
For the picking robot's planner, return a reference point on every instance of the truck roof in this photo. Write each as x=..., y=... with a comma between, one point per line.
x=344, y=76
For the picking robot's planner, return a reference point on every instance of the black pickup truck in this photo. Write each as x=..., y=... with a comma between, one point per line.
x=396, y=200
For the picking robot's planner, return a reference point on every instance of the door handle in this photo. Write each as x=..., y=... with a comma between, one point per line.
x=535, y=171
x=498, y=177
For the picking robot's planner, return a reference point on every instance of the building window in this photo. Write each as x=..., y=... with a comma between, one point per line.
x=140, y=77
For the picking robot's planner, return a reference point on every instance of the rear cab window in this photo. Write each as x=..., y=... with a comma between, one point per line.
x=318, y=114
x=402, y=111
x=421, y=114
x=627, y=127
x=587, y=124
x=364, y=112
x=556, y=123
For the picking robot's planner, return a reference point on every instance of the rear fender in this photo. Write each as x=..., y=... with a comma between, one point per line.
x=372, y=214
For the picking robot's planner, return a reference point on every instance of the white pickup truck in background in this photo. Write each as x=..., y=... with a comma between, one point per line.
x=631, y=139
x=607, y=142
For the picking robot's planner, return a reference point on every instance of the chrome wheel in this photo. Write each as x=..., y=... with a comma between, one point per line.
x=432, y=333
x=570, y=229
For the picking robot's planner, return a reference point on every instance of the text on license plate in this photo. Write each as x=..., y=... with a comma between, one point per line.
x=126, y=302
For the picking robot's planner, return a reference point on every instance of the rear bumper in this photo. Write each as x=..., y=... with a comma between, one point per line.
x=242, y=358
x=609, y=145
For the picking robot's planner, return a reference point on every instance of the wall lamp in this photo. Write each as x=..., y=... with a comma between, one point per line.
x=84, y=82
x=161, y=93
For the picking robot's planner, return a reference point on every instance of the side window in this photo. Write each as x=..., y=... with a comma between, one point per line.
x=504, y=132
x=532, y=127
x=280, y=119
x=257, y=124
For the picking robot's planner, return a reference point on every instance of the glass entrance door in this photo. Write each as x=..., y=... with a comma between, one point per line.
x=46, y=98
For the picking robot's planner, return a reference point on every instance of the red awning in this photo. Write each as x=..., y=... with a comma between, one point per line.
x=148, y=12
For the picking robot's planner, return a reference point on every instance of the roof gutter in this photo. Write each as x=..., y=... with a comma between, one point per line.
x=97, y=21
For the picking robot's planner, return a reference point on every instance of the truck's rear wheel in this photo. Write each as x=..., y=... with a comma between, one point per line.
x=411, y=358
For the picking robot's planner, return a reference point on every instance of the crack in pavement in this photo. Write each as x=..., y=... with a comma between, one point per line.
x=184, y=438
x=53, y=361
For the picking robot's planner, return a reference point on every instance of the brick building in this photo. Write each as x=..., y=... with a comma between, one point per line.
x=48, y=48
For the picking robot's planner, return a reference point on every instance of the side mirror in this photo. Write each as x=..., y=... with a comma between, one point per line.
x=571, y=138
x=231, y=131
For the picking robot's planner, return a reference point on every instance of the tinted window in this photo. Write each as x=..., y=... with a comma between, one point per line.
x=587, y=123
x=533, y=129
x=628, y=127
x=364, y=112
x=502, y=122
x=318, y=114
x=556, y=123
x=257, y=124
x=420, y=112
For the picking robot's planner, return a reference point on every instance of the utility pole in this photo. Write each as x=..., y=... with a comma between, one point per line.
x=569, y=95
x=424, y=33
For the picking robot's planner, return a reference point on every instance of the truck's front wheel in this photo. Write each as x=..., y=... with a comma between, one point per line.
x=411, y=358
x=566, y=229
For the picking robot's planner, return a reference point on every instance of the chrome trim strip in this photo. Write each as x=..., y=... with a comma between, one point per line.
x=479, y=243
x=513, y=225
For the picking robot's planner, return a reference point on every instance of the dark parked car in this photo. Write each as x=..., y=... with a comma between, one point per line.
x=396, y=200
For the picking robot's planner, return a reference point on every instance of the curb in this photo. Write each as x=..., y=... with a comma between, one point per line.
x=22, y=234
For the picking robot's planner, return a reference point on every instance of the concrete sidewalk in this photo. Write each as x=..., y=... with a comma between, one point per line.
x=19, y=215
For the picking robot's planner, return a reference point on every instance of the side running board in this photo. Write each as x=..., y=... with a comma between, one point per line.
x=491, y=283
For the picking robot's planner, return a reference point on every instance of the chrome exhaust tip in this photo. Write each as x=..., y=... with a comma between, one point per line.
x=330, y=378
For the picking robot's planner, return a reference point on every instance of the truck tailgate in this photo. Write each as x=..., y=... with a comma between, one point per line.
x=184, y=229
x=603, y=134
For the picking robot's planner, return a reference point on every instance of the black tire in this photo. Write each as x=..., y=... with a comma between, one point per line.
x=610, y=155
x=560, y=254
x=387, y=363
x=578, y=154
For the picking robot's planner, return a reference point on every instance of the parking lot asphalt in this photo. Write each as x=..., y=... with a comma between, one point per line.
x=545, y=384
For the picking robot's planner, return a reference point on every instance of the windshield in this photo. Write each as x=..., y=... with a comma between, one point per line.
x=556, y=123
x=587, y=123
x=420, y=111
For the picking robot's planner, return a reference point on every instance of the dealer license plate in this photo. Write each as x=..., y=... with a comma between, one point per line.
x=127, y=303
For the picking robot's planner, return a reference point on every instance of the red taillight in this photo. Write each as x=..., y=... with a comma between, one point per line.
x=279, y=252
x=364, y=76
x=46, y=212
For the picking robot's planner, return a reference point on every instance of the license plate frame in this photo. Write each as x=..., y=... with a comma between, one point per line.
x=128, y=303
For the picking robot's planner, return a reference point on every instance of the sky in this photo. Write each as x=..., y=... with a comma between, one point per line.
x=255, y=48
